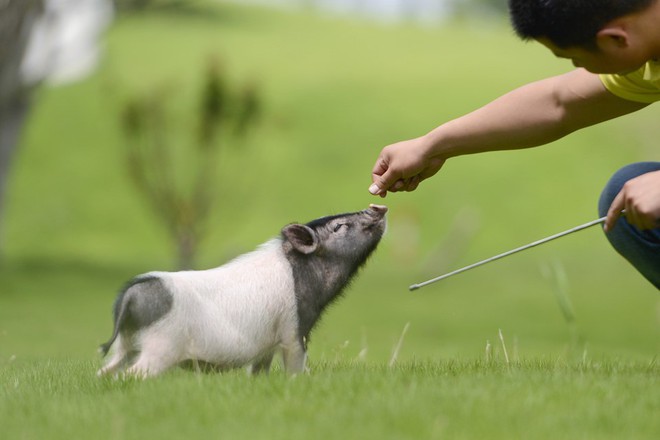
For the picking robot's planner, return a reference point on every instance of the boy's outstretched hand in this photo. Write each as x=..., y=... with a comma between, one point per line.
x=403, y=166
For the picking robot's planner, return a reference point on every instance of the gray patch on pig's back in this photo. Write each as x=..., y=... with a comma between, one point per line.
x=143, y=302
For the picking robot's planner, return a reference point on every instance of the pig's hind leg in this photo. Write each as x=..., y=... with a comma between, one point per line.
x=262, y=365
x=118, y=358
x=157, y=354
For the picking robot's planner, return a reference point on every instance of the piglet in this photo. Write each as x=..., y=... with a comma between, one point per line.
x=242, y=313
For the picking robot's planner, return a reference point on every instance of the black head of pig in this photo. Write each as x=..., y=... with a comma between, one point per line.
x=325, y=254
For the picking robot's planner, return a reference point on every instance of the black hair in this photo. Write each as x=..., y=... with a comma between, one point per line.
x=568, y=23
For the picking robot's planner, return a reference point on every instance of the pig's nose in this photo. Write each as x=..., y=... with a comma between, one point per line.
x=379, y=210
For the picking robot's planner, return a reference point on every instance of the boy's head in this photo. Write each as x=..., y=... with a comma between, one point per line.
x=568, y=23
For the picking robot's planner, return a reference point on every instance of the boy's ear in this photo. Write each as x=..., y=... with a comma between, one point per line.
x=612, y=37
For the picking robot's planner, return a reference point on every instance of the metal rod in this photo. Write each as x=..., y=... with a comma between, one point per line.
x=506, y=254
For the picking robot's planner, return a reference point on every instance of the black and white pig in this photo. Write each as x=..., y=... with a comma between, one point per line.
x=241, y=313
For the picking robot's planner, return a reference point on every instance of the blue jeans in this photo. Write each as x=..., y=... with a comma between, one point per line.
x=640, y=248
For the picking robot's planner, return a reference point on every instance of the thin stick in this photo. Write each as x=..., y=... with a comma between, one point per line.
x=511, y=252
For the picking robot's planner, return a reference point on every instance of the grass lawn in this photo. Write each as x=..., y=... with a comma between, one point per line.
x=581, y=328
x=340, y=399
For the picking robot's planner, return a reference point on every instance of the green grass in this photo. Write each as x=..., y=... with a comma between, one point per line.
x=335, y=92
x=448, y=399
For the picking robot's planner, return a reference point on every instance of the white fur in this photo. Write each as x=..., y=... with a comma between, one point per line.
x=234, y=315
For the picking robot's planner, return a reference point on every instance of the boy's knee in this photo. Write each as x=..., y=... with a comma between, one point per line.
x=640, y=248
x=618, y=179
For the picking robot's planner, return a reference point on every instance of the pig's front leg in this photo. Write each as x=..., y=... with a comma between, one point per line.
x=294, y=355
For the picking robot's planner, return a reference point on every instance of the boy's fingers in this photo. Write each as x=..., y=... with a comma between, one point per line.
x=614, y=212
x=375, y=189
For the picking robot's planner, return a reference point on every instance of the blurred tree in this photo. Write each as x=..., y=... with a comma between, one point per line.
x=41, y=40
x=16, y=20
x=184, y=204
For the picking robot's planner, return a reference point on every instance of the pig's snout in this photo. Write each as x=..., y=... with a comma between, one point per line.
x=377, y=210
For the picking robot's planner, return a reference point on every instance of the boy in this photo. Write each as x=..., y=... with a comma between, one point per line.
x=615, y=46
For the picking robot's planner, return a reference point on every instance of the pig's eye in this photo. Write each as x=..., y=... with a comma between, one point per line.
x=339, y=226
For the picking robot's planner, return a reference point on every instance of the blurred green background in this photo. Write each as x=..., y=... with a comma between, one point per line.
x=334, y=91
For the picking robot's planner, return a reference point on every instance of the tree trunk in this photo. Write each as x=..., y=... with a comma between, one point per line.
x=16, y=20
x=11, y=121
x=186, y=250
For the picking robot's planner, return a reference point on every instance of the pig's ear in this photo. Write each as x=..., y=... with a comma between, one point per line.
x=302, y=238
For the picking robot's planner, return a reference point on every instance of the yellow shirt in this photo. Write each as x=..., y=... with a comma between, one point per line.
x=642, y=85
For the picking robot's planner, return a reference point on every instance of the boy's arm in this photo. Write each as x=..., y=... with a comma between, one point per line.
x=532, y=115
